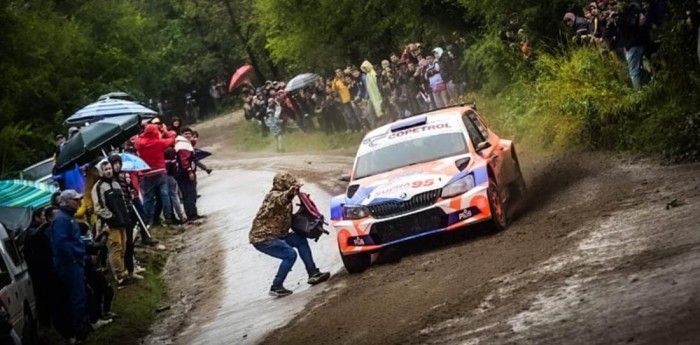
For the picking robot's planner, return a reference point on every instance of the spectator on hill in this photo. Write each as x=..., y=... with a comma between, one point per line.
x=633, y=38
x=187, y=175
x=375, y=96
x=579, y=26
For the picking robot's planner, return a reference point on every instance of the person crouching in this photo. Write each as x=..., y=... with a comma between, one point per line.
x=110, y=207
x=270, y=234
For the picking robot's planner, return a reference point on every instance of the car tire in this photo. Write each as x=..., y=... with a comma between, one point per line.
x=499, y=215
x=356, y=263
x=519, y=188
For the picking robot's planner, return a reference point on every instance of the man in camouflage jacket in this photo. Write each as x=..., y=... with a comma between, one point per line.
x=270, y=234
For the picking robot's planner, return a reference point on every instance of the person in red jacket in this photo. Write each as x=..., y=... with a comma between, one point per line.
x=186, y=173
x=150, y=146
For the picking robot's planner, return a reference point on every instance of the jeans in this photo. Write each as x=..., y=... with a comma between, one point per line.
x=156, y=185
x=175, y=198
x=634, y=56
x=283, y=248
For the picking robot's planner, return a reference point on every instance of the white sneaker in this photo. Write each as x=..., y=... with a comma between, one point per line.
x=135, y=276
x=101, y=323
x=139, y=269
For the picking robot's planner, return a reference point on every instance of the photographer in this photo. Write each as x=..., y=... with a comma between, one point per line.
x=270, y=234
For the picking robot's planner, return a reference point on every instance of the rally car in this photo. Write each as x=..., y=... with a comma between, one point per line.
x=429, y=173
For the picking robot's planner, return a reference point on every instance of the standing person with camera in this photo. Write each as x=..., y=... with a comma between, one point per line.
x=110, y=207
x=270, y=234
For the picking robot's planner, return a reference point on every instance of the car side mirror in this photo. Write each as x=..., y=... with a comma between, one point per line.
x=483, y=146
x=344, y=178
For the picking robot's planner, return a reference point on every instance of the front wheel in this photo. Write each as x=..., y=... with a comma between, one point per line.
x=356, y=263
x=499, y=218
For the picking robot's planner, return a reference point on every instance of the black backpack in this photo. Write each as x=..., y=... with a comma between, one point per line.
x=308, y=221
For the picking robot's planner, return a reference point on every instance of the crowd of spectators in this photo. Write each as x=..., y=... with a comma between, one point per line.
x=628, y=28
x=361, y=98
x=84, y=243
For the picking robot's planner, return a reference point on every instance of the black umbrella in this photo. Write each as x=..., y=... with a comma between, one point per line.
x=301, y=81
x=91, y=140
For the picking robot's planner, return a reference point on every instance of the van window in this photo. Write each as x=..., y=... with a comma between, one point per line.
x=11, y=248
x=5, y=278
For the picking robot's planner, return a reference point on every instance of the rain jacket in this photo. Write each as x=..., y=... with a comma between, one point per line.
x=81, y=215
x=274, y=217
x=185, y=155
x=110, y=205
x=66, y=246
x=339, y=86
x=150, y=146
x=375, y=97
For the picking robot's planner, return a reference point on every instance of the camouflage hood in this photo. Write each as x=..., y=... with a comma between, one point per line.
x=283, y=181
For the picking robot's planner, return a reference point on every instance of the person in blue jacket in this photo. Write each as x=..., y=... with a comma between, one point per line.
x=69, y=261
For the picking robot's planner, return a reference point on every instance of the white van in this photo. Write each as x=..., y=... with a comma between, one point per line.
x=16, y=290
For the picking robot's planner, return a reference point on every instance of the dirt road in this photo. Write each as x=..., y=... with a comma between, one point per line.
x=604, y=249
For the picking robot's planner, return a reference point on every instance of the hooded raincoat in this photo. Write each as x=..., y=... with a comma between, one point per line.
x=375, y=97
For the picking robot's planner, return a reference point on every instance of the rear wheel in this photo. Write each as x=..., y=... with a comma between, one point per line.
x=356, y=263
x=499, y=217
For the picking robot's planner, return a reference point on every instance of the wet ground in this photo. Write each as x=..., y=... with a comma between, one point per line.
x=605, y=249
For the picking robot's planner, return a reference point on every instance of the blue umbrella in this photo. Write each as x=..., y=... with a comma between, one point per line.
x=133, y=162
x=24, y=193
x=109, y=108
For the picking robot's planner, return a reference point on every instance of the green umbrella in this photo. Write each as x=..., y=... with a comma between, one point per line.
x=92, y=141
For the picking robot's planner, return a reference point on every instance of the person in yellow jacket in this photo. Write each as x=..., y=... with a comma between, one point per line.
x=86, y=213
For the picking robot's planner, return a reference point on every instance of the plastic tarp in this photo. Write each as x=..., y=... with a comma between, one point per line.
x=16, y=219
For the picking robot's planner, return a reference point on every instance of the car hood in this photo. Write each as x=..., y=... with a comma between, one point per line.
x=403, y=183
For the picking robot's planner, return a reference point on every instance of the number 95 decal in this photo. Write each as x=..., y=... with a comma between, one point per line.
x=424, y=183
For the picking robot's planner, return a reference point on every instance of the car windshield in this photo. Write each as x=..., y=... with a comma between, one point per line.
x=419, y=150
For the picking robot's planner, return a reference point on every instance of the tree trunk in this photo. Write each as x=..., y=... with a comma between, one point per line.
x=237, y=31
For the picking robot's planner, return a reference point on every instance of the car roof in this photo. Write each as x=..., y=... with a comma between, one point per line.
x=442, y=114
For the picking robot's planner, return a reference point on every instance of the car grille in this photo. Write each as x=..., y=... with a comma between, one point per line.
x=388, y=231
x=393, y=208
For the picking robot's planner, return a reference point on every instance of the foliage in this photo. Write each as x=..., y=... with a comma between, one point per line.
x=248, y=138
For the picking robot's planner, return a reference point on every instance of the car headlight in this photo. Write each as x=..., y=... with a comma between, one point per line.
x=355, y=212
x=460, y=186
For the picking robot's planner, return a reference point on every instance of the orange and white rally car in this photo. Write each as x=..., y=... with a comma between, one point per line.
x=429, y=173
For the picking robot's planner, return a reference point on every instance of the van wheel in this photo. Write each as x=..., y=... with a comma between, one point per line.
x=499, y=217
x=356, y=263
x=29, y=332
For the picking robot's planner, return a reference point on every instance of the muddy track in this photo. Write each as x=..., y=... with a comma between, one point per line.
x=567, y=270
x=592, y=256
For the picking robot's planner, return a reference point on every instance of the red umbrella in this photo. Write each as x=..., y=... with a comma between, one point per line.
x=242, y=74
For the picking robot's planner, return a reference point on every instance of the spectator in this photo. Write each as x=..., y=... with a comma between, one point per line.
x=341, y=89
x=171, y=169
x=375, y=96
x=150, y=146
x=186, y=176
x=274, y=122
x=37, y=252
x=110, y=207
x=270, y=234
x=68, y=254
x=632, y=37
x=124, y=180
x=176, y=125
x=693, y=22
x=435, y=74
x=579, y=26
